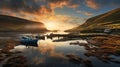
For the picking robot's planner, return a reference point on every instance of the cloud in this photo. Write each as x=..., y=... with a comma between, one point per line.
x=88, y=13
x=74, y=6
x=4, y=12
x=92, y=4
x=61, y=22
x=61, y=3
x=29, y=6
x=85, y=12
x=35, y=6
x=58, y=3
x=78, y=11
x=42, y=10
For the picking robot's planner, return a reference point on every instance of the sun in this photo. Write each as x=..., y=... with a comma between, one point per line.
x=50, y=26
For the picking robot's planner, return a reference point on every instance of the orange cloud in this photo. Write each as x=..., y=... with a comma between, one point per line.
x=5, y=12
x=33, y=7
x=92, y=4
x=74, y=6
x=61, y=22
x=85, y=13
x=78, y=11
x=45, y=10
x=88, y=13
x=58, y=3
x=41, y=10
x=61, y=3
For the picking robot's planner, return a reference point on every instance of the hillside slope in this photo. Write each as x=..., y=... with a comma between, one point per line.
x=14, y=24
x=109, y=20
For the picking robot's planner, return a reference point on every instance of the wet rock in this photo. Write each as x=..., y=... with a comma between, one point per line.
x=87, y=62
x=74, y=57
x=104, y=47
x=78, y=60
x=107, y=57
x=2, y=57
x=5, y=50
x=78, y=43
x=19, y=61
x=88, y=54
x=117, y=51
x=115, y=61
x=15, y=65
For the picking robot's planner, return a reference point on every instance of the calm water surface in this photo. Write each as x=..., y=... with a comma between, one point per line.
x=53, y=54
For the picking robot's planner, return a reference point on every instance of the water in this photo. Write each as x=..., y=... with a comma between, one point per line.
x=54, y=54
x=50, y=53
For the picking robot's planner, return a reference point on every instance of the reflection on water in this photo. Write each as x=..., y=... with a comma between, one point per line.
x=71, y=53
x=57, y=54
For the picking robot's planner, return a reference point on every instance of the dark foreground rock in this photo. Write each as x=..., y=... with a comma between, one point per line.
x=76, y=59
x=19, y=61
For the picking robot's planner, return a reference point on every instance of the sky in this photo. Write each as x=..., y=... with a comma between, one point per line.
x=57, y=14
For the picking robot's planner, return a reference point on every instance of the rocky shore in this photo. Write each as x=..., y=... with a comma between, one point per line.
x=102, y=48
x=8, y=58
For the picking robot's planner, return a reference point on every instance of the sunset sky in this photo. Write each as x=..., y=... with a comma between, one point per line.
x=57, y=14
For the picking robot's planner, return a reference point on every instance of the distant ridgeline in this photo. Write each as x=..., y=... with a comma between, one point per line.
x=107, y=22
x=14, y=24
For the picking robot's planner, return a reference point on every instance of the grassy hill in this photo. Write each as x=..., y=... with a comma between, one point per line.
x=14, y=24
x=109, y=20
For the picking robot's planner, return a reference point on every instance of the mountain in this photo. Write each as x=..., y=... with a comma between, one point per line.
x=14, y=24
x=109, y=20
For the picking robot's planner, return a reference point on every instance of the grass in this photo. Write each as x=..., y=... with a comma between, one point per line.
x=107, y=20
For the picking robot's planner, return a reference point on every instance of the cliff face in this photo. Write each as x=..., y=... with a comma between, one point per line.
x=14, y=24
x=109, y=20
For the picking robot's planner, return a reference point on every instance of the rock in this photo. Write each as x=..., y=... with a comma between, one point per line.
x=74, y=57
x=1, y=57
x=115, y=61
x=19, y=61
x=87, y=63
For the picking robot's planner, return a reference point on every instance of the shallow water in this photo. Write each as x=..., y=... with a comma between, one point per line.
x=54, y=54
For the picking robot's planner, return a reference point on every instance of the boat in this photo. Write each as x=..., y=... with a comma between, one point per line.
x=27, y=41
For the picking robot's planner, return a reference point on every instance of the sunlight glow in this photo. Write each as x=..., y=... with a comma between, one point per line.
x=50, y=25
x=57, y=23
x=53, y=25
